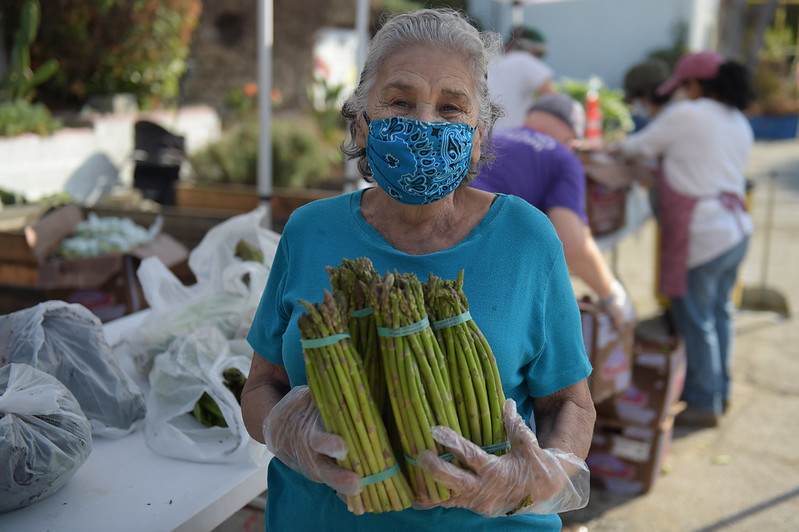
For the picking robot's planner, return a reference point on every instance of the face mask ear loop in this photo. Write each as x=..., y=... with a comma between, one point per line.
x=366, y=117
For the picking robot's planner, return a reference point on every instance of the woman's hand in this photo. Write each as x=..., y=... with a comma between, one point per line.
x=528, y=479
x=293, y=432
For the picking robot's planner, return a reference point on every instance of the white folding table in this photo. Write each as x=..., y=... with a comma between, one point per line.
x=124, y=486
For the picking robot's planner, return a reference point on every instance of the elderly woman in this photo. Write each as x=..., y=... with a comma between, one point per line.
x=425, y=79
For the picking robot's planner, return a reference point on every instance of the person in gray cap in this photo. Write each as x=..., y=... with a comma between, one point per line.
x=536, y=162
x=517, y=78
x=559, y=116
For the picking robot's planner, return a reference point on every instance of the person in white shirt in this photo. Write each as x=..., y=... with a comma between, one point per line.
x=519, y=76
x=703, y=142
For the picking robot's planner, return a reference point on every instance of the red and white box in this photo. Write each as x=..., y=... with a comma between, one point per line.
x=658, y=375
x=610, y=351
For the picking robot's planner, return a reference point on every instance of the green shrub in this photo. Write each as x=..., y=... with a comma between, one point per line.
x=21, y=78
x=19, y=116
x=112, y=46
x=299, y=158
x=231, y=159
x=298, y=154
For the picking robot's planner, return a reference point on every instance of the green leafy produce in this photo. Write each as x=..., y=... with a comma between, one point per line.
x=234, y=381
x=207, y=412
x=247, y=252
x=616, y=116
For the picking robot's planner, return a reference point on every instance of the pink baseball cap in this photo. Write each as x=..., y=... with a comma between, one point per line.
x=700, y=65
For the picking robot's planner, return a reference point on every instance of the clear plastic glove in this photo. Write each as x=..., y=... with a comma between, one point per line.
x=294, y=433
x=619, y=306
x=527, y=479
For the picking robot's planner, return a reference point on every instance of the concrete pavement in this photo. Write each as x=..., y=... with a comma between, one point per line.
x=744, y=474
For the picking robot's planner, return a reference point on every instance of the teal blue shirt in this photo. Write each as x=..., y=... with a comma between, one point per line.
x=519, y=294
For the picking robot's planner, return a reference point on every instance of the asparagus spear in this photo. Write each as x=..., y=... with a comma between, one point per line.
x=341, y=393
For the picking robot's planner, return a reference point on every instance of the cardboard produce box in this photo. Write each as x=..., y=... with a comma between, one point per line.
x=627, y=458
x=658, y=375
x=106, y=284
x=607, y=182
x=610, y=352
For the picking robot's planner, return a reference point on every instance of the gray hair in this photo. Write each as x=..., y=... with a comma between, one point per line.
x=441, y=27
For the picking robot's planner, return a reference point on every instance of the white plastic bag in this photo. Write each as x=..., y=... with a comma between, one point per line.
x=216, y=252
x=44, y=436
x=180, y=376
x=225, y=296
x=67, y=341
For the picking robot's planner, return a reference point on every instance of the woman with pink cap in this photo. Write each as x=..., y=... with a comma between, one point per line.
x=703, y=141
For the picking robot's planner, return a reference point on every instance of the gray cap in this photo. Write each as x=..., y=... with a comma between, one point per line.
x=564, y=107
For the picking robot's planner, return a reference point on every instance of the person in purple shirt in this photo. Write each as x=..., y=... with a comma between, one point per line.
x=536, y=163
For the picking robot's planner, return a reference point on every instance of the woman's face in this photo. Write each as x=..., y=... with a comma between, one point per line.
x=425, y=84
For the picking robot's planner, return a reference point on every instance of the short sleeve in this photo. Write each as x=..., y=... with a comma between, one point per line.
x=271, y=320
x=562, y=360
x=567, y=186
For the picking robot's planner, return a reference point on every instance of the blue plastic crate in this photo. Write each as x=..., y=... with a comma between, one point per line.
x=775, y=127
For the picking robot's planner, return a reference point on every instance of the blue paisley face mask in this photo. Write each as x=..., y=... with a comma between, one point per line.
x=418, y=162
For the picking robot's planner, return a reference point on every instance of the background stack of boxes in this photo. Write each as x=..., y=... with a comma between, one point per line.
x=636, y=384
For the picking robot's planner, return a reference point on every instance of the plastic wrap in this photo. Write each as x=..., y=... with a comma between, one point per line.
x=294, y=432
x=44, y=436
x=526, y=479
x=191, y=367
x=67, y=341
x=225, y=295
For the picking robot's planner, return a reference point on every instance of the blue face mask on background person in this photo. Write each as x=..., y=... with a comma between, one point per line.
x=418, y=162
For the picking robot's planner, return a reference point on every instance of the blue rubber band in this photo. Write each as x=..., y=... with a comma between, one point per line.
x=362, y=312
x=310, y=343
x=404, y=331
x=449, y=457
x=380, y=477
x=451, y=321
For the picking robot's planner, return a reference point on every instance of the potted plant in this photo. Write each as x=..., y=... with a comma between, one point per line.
x=774, y=114
x=223, y=175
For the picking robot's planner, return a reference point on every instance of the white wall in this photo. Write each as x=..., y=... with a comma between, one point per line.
x=604, y=37
x=35, y=166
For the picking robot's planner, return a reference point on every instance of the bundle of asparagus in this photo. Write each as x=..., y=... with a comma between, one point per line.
x=476, y=385
x=350, y=282
x=416, y=375
x=341, y=393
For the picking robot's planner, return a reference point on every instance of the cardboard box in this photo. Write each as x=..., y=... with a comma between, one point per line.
x=607, y=182
x=627, y=458
x=606, y=207
x=34, y=240
x=106, y=284
x=610, y=352
x=658, y=375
